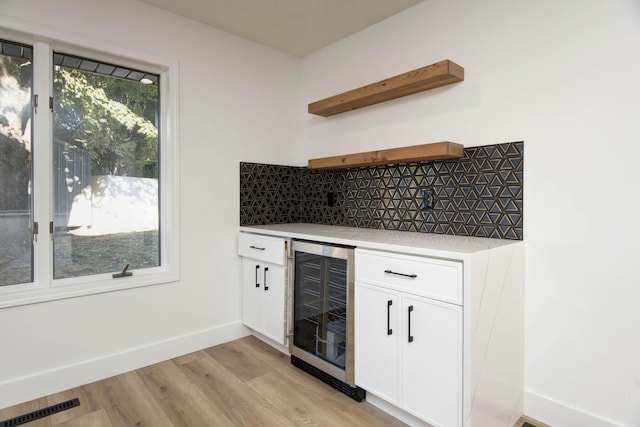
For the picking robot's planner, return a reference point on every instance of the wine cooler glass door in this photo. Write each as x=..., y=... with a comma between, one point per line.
x=321, y=306
x=322, y=303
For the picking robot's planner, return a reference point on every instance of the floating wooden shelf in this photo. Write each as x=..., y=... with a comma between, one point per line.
x=415, y=153
x=429, y=77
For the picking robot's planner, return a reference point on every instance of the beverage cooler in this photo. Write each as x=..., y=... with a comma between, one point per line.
x=323, y=289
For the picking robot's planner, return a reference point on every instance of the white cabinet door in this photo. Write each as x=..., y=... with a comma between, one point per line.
x=252, y=306
x=273, y=298
x=377, y=341
x=432, y=360
x=263, y=298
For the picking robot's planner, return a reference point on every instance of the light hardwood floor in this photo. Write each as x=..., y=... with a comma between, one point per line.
x=240, y=383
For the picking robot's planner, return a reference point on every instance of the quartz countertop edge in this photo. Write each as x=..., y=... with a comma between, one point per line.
x=427, y=244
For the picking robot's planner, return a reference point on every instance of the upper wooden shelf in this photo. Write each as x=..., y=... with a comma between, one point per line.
x=429, y=77
x=415, y=153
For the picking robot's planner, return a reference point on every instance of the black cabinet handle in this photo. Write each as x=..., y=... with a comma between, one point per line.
x=255, y=247
x=257, y=283
x=266, y=288
x=389, y=330
x=409, y=315
x=413, y=276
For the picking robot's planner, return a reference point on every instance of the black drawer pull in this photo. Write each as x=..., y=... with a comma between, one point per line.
x=389, y=330
x=413, y=276
x=255, y=247
x=409, y=315
x=257, y=283
x=266, y=288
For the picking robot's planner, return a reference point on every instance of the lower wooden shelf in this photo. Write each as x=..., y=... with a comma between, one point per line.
x=415, y=153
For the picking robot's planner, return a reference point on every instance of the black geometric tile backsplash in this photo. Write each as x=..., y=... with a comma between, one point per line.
x=269, y=194
x=477, y=195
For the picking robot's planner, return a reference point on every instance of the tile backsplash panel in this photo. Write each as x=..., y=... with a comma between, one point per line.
x=269, y=194
x=477, y=195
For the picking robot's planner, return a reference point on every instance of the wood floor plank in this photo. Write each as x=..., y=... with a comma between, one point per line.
x=352, y=413
x=237, y=360
x=264, y=352
x=97, y=418
x=306, y=383
x=128, y=402
x=281, y=363
x=188, y=358
x=302, y=405
x=234, y=397
x=182, y=402
x=293, y=403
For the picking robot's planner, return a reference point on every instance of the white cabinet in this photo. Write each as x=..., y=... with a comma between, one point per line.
x=378, y=341
x=408, y=347
x=432, y=360
x=264, y=280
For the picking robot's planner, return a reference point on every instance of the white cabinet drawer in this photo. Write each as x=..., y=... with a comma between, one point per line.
x=429, y=277
x=263, y=248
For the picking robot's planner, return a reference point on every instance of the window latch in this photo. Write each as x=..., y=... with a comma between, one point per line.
x=123, y=273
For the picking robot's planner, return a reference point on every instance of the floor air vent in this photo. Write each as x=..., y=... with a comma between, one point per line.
x=356, y=393
x=40, y=413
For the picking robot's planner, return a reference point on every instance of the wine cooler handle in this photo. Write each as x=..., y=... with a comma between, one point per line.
x=266, y=288
x=257, y=283
x=389, y=330
x=409, y=315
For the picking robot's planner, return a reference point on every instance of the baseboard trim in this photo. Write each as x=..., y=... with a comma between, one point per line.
x=557, y=414
x=394, y=411
x=33, y=386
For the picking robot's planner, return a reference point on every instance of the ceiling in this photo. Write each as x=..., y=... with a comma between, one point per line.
x=298, y=27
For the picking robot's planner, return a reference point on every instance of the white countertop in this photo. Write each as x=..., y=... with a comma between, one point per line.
x=428, y=244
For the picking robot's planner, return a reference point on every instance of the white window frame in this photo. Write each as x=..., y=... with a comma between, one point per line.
x=44, y=287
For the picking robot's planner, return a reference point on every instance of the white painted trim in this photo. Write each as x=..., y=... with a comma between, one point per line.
x=558, y=414
x=44, y=383
x=394, y=411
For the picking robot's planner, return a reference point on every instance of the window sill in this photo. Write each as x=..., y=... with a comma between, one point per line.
x=27, y=294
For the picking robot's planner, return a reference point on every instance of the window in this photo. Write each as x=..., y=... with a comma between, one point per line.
x=105, y=167
x=16, y=77
x=91, y=190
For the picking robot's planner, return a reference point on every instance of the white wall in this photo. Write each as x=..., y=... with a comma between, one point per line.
x=234, y=98
x=563, y=77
